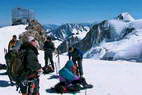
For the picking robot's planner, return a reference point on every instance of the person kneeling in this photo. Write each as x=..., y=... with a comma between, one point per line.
x=69, y=81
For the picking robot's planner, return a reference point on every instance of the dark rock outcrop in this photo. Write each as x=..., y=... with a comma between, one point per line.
x=36, y=30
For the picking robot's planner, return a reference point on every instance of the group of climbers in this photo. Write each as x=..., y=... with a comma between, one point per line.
x=24, y=69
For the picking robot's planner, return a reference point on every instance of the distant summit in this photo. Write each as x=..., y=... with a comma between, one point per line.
x=125, y=17
x=65, y=31
x=50, y=27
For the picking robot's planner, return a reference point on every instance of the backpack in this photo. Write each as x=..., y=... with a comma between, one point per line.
x=62, y=87
x=48, y=69
x=15, y=64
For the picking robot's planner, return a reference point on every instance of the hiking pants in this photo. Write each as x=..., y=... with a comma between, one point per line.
x=49, y=56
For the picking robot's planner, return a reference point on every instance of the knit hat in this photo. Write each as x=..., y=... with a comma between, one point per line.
x=30, y=38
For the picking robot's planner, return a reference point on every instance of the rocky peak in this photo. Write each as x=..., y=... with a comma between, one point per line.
x=125, y=17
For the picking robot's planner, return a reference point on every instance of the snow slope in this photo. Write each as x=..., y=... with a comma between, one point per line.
x=6, y=34
x=108, y=77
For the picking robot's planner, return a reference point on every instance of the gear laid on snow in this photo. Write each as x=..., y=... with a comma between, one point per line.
x=69, y=81
x=2, y=66
x=48, y=69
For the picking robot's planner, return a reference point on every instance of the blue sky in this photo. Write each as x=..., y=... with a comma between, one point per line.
x=71, y=11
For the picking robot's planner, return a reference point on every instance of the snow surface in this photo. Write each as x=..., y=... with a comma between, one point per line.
x=108, y=77
x=137, y=24
x=81, y=35
x=6, y=34
x=57, y=43
x=117, y=26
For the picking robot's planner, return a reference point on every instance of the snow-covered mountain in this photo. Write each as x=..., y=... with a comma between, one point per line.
x=64, y=31
x=125, y=17
x=69, y=34
x=50, y=27
x=106, y=31
x=115, y=39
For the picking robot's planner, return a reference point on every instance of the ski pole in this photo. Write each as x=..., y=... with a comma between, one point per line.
x=56, y=68
x=85, y=91
x=58, y=62
x=58, y=59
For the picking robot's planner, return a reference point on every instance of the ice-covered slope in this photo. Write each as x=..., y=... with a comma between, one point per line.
x=106, y=31
x=116, y=39
x=6, y=35
x=128, y=48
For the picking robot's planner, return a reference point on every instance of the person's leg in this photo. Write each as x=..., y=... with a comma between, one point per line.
x=36, y=90
x=74, y=61
x=23, y=88
x=51, y=60
x=81, y=81
x=46, y=59
x=80, y=67
x=9, y=74
x=76, y=81
x=7, y=59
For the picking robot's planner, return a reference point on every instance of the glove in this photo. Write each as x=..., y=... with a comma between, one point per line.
x=39, y=71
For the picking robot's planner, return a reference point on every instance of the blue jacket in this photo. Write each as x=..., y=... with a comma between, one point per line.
x=76, y=54
x=67, y=73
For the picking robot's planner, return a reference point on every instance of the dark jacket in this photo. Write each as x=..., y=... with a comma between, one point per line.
x=31, y=62
x=12, y=44
x=76, y=54
x=49, y=47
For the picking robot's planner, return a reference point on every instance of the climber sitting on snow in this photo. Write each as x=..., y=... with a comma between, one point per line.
x=69, y=81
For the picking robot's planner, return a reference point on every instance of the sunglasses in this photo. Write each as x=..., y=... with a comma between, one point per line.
x=33, y=40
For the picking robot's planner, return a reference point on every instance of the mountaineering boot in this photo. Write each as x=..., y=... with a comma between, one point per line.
x=85, y=84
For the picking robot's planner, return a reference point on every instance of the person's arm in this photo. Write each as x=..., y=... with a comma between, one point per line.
x=69, y=55
x=53, y=46
x=80, y=53
x=44, y=46
x=32, y=62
